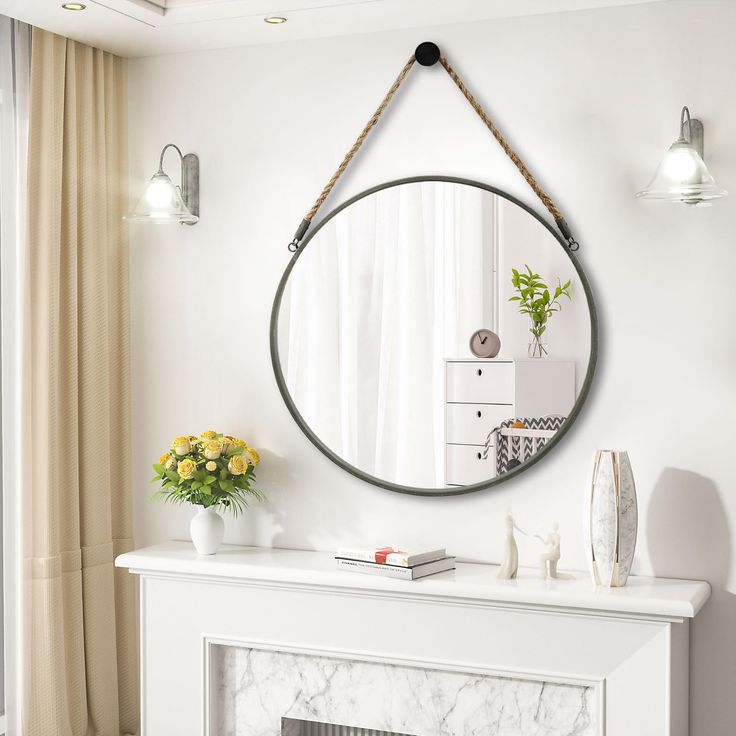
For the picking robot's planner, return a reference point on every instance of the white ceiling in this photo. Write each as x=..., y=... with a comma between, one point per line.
x=148, y=27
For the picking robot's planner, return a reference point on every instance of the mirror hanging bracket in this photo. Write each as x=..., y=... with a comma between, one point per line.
x=428, y=54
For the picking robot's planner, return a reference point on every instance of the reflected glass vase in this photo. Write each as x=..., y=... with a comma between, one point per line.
x=537, y=345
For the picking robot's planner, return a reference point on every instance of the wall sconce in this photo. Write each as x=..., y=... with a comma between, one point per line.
x=163, y=202
x=682, y=175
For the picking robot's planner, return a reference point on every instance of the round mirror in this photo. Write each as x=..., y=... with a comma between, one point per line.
x=386, y=327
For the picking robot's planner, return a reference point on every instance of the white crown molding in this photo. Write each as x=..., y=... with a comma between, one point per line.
x=149, y=27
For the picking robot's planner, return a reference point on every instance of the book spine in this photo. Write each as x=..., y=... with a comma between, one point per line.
x=400, y=573
x=366, y=555
x=404, y=560
x=396, y=558
x=387, y=556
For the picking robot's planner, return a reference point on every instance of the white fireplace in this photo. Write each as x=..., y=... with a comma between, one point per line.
x=244, y=642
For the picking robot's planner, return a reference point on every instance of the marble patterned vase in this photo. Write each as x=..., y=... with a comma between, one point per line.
x=611, y=519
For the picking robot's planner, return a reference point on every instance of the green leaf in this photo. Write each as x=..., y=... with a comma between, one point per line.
x=209, y=480
x=159, y=468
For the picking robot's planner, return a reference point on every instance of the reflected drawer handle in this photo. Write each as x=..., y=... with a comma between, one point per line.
x=479, y=414
x=480, y=372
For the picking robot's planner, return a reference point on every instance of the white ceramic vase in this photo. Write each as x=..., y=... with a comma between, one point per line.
x=611, y=519
x=207, y=529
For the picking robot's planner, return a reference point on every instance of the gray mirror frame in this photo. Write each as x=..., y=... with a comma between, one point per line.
x=412, y=490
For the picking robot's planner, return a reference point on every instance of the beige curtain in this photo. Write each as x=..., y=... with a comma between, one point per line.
x=81, y=663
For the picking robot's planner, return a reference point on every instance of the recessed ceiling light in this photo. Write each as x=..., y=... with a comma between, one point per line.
x=73, y=6
x=275, y=20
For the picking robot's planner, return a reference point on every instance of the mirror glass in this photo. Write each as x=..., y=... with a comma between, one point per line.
x=372, y=336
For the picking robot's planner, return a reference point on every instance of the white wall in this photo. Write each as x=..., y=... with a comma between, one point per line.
x=591, y=99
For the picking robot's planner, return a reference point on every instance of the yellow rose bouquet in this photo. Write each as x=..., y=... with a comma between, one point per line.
x=213, y=471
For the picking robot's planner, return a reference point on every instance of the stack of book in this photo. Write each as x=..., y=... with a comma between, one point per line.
x=394, y=563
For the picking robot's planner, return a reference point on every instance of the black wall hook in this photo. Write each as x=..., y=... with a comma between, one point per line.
x=427, y=53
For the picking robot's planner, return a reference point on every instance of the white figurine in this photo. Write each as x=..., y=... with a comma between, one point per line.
x=510, y=565
x=548, y=560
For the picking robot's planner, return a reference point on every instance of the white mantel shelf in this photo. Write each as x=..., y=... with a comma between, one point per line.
x=625, y=650
x=642, y=597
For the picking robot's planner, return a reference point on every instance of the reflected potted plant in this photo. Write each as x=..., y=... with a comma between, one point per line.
x=536, y=301
x=214, y=472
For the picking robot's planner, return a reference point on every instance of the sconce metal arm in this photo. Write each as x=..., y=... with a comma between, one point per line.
x=189, y=177
x=691, y=130
x=161, y=158
x=685, y=119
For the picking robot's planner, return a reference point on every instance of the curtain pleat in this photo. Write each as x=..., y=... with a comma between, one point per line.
x=81, y=678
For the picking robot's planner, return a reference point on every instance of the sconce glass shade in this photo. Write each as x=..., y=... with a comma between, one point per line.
x=682, y=176
x=161, y=203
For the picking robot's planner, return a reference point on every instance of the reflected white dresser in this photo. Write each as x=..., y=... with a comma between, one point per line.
x=480, y=394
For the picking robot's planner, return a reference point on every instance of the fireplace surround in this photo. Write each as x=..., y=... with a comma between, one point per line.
x=331, y=696
x=233, y=643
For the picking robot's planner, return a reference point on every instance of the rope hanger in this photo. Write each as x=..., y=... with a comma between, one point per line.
x=428, y=54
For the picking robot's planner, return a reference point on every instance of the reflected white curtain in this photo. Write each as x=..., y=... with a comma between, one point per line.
x=386, y=291
x=15, y=67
